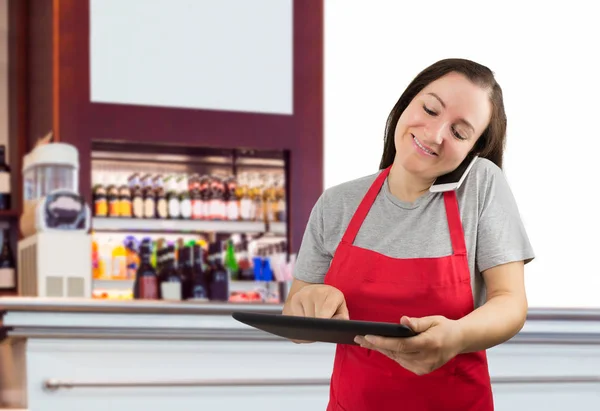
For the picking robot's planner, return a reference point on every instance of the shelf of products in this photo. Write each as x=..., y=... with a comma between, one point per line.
x=5, y=189
x=230, y=268
x=214, y=216
x=8, y=269
x=8, y=274
x=201, y=191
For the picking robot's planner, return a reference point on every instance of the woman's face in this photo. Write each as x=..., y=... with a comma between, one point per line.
x=441, y=125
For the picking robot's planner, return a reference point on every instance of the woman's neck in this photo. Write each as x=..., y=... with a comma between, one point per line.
x=405, y=186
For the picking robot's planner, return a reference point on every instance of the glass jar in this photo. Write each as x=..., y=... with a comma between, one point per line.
x=50, y=167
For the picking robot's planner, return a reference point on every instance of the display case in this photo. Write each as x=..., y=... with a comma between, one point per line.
x=218, y=214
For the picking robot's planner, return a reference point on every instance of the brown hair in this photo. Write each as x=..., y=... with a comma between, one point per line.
x=491, y=143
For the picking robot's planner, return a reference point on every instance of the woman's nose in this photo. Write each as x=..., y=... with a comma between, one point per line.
x=435, y=132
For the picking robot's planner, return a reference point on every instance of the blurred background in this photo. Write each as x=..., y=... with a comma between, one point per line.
x=183, y=143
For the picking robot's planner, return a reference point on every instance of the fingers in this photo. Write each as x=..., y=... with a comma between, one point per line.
x=319, y=302
x=333, y=306
x=328, y=307
x=342, y=312
x=302, y=341
x=401, y=345
x=419, y=325
x=406, y=360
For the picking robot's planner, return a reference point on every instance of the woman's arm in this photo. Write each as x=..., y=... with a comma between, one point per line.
x=504, y=313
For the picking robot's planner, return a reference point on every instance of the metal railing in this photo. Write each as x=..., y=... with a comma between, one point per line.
x=56, y=384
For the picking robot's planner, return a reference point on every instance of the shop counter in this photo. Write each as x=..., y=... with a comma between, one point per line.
x=151, y=355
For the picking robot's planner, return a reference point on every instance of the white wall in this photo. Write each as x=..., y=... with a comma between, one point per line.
x=219, y=55
x=545, y=58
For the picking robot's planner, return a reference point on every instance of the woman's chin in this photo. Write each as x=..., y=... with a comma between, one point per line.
x=417, y=167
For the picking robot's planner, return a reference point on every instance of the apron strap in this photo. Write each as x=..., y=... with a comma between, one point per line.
x=364, y=207
x=454, y=223
x=452, y=214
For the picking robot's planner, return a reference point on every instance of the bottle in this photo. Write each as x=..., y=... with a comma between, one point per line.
x=197, y=196
x=199, y=286
x=185, y=201
x=132, y=258
x=219, y=282
x=119, y=263
x=172, y=197
x=245, y=198
x=113, y=196
x=215, y=199
x=125, y=203
x=96, y=274
x=246, y=271
x=169, y=279
x=280, y=213
x=137, y=196
x=161, y=254
x=99, y=195
x=5, y=202
x=8, y=279
x=269, y=199
x=162, y=207
x=149, y=197
x=186, y=271
x=267, y=271
x=230, y=260
x=146, y=280
x=231, y=199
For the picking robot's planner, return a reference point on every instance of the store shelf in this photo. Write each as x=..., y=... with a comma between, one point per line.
x=180, y=226
x=277, y=228
x=234, y=285
x=113, y=284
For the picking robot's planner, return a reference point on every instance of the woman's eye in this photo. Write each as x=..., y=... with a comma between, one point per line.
x=428, y=111
x=457, y=134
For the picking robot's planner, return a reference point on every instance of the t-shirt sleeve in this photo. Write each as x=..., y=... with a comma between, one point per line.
x=501, y=235
x=313, y=260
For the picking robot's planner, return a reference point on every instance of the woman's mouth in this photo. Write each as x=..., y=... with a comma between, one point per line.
x=422, y=148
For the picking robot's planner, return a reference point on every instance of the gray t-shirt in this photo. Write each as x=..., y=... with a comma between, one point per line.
x=494, y=232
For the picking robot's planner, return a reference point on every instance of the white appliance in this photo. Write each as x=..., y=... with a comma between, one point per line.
x=56, y=264
x=55, y=255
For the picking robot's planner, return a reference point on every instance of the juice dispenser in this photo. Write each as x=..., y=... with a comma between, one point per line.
x=55, y=253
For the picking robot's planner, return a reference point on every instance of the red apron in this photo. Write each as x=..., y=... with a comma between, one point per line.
x=381, y=288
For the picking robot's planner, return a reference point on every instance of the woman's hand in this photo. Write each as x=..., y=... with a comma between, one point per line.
x=439, y=340
x=316, y=301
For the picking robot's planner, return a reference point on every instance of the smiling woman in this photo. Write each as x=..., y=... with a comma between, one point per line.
x=449, y=265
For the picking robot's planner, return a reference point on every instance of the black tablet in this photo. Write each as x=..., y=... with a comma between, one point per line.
x=321, y=330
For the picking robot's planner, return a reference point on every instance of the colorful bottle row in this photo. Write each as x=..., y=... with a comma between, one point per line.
x=195, y=275
x=249, y=197
x=244, y=259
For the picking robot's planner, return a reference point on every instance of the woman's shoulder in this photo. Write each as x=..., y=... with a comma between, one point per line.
x=486, y=182
x=482, y=176
x=485, y=168
x=349, y=191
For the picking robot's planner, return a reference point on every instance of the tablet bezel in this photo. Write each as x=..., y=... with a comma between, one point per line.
x=319, y=329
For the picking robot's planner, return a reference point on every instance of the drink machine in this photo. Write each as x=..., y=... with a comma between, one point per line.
x=54, y=255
